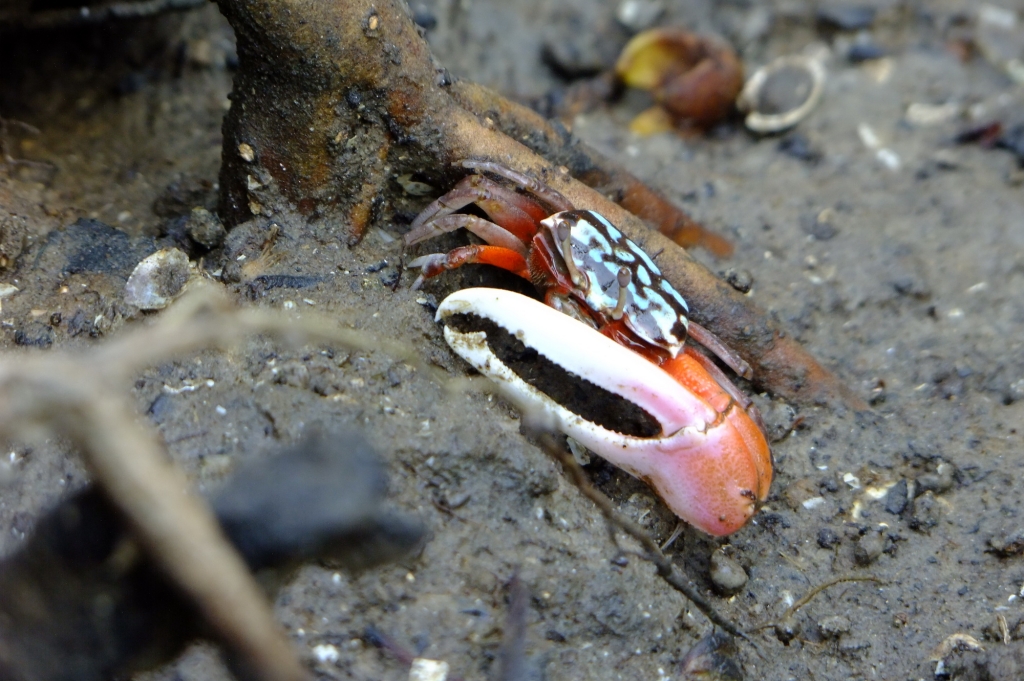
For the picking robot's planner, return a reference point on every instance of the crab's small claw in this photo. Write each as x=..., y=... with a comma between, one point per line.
x=710, y=464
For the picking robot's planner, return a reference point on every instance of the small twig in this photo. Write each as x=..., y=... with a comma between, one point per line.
x=551, y=445
x=806, y=598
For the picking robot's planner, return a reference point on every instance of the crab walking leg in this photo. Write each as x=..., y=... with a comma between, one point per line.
x=434, y=264
x=516, y=211
x=530, y=184
x=493, y=234
x=719, y=349
x=701, y=465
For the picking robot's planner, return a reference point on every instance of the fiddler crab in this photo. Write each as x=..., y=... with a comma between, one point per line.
x=612, y=320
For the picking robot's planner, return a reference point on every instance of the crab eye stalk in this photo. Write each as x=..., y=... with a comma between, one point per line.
x=563, y=233
x=622, y=278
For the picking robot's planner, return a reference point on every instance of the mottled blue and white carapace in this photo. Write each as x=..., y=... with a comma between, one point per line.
x=652, y=309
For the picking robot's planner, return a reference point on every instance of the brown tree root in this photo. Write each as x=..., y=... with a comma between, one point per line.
x=553, y=141
x=322, y=87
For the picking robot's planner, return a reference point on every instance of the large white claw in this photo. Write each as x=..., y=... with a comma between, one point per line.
x=682, y=463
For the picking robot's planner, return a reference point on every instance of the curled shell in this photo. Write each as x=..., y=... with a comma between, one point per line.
x=782, y=93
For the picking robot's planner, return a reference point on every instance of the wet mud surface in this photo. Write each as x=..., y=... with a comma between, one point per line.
x=903, y=272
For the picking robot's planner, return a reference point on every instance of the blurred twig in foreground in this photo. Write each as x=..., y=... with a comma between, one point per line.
x=82, y=396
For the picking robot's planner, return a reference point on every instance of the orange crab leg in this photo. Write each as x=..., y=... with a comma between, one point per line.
x=436, y=263
x=515, y=212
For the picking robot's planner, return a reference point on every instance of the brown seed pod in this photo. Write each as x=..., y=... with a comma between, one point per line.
x=694, y=78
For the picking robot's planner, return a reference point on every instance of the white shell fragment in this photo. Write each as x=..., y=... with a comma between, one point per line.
x=782, y=93
x=157, y=280
x=423, y=669
x=326, y=653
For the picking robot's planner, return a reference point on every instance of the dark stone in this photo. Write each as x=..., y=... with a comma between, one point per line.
x=34, y=335
x=845, y=17
x=161, y=408
x=741, y=280
x=796, y=145
x=79, y=323
x=205, y=228
x=92, y=247
x=896, y=498
x=818, y=226
x=827, y=538
x=868, y=548
x=715, y=656
x=862, y=51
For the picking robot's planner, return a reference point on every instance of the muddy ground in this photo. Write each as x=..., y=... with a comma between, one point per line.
x=910, y=286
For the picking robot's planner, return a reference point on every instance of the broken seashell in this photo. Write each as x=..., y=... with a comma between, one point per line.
x=782, y=93
x=157, y=279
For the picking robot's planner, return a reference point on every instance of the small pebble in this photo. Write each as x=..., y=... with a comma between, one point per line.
x=834, y=626
x=246, y=152
x=741, y=280
x=796, y=145
x=326, y=653
x=827, y=538
x=940, y=481
x=864, y=50
x=727, y=575
x=852, y=646
x=786, y=630
x=639, y=15
x=868, y=548
x=779, y=419
x=819, y=225
x=928, y=510
x=423, y=669
x=205, y=228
